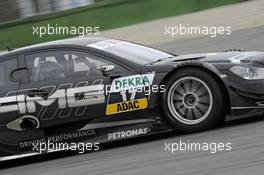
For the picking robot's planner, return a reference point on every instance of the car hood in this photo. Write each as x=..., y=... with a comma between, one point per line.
x=222, y=59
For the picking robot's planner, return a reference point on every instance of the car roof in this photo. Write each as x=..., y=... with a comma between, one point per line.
x=81, y=41
x=71, y=42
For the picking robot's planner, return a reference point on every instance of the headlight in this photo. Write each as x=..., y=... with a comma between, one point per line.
x=249, y=73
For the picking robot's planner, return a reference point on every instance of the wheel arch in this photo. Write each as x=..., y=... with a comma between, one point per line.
x=210, y=69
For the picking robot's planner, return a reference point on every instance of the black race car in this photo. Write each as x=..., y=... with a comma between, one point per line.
x=99, y=90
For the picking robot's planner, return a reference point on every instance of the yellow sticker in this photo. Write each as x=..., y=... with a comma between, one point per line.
x=127, y=106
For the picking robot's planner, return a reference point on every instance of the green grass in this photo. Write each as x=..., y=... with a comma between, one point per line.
x=106, y=14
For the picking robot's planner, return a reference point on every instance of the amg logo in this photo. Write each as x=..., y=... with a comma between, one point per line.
x=128, y=133
x=91, y=95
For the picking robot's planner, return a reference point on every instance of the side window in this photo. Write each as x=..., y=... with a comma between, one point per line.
x=52, y=65
x=6, y=67
x=76, y=63
x=45, y=66
x=81, y=63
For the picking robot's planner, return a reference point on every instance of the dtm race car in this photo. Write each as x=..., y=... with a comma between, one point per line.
x=101, y=90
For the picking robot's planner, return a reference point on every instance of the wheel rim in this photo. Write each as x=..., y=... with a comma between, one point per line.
x=190, y=100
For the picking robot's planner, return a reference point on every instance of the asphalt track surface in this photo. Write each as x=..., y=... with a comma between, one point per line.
x=148, y=156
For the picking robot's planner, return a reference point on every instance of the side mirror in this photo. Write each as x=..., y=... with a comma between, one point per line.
x=107, y=68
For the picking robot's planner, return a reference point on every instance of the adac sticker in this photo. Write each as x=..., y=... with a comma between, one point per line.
x=127, y=106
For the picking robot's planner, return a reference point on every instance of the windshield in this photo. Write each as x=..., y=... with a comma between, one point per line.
x=130, y=51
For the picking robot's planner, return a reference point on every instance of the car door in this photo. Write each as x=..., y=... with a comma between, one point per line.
x=62, y=87
x=8, y=91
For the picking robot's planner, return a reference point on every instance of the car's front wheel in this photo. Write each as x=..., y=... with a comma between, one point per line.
x=193, y=100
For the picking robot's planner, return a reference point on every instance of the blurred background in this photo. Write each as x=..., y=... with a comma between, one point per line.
x=19, y=16
x=14, y=9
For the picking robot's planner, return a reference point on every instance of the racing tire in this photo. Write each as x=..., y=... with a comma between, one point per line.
x=193, y=101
